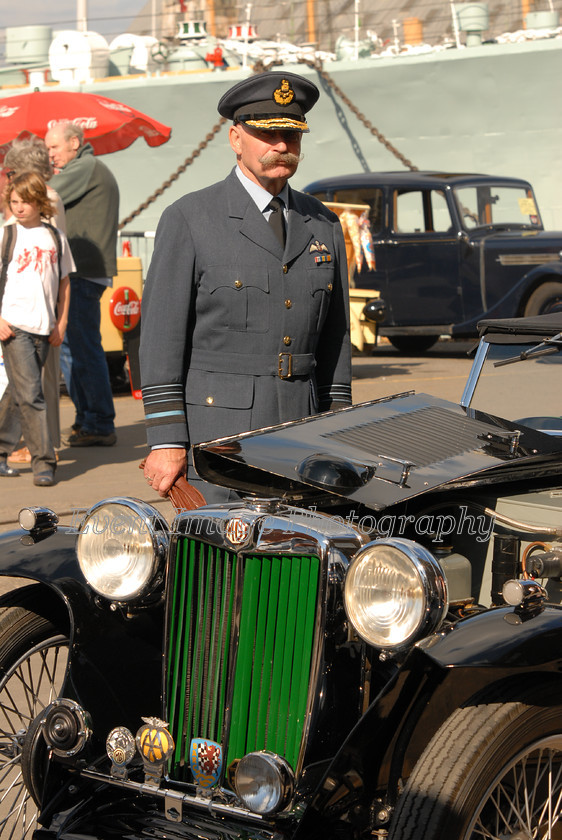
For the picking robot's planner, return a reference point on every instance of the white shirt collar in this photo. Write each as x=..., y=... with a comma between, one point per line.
x=260, y=196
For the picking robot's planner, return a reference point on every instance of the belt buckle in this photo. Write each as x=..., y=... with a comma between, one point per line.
x=289, y=365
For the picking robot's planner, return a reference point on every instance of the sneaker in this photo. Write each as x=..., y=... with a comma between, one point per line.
x=83, y=438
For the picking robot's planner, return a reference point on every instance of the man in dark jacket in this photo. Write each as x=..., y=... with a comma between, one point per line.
x=245, y=323
x=90, y=196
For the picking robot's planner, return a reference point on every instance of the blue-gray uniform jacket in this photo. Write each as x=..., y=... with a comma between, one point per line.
x=236, y=333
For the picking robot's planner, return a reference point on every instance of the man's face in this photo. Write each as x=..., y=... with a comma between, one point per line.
x=268, y=158
x=61, y=151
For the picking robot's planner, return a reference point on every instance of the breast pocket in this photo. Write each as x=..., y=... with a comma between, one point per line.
x=321, y=285
x=238, y=297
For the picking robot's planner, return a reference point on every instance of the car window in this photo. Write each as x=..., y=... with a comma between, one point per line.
x=421, y=211
x=442, y=222
x=495, y=204
x=371, y=197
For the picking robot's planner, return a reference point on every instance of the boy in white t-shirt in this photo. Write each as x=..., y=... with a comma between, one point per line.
x=33, y=314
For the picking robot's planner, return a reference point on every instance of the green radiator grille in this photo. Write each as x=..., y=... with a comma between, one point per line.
x=241, y=633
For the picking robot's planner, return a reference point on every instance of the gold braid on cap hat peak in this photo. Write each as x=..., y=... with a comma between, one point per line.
x=281, y=123
x=284, y=94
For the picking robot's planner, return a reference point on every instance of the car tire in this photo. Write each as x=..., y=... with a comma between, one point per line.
x=547, y=298
x=33, y=654
x=484, y=774
x=413, y=344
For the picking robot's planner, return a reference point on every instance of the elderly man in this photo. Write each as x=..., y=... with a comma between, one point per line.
x=245, y=317
x=90, y=196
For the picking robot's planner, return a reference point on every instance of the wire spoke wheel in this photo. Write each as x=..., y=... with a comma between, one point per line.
x=492, y=772
x=33, y=657
x=526, y=802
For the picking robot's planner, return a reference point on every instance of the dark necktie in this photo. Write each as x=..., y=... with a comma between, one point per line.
x=277, y=220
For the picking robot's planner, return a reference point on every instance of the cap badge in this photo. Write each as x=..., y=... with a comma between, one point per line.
x=285, y=94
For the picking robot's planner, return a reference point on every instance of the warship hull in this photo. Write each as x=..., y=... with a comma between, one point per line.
x=493, y=108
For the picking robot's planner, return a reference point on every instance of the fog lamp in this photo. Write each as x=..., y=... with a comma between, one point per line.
x=264, y=782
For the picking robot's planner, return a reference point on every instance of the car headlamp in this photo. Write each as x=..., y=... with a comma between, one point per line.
x=395, y=593
x=264, y=782
x=120, y=548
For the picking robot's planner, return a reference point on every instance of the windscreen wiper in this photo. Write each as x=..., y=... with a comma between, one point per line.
x=545, y=348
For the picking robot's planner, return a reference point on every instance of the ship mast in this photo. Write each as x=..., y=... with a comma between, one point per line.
x=82, y=15
x=311, y=21
x=210, y=4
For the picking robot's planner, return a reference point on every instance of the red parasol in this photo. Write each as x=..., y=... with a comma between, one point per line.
x=108, y=125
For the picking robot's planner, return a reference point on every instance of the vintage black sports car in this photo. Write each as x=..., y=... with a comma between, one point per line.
x=367, y=644
x=449, y=250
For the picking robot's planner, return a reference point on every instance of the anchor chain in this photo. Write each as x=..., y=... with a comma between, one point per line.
x=259, y=67
x=175, y=175
x=317, y=65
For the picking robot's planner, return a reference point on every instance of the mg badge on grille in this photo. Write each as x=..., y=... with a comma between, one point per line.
x=205, y=760
x=237, y=531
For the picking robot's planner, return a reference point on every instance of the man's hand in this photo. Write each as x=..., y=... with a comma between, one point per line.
x=6, y=331
x=163, y=466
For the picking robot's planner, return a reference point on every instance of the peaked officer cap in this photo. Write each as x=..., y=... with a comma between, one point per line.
x=271, y=101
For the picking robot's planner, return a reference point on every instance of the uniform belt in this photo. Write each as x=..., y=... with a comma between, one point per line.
x=283, y=365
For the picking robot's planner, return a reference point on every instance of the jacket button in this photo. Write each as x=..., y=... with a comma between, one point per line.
x=287, y=340
x=238, y=284
x=285, y=269
x=330, y=287
x=210, y=400
x=288, y=303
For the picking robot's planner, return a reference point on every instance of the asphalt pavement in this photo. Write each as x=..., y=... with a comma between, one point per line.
x=86, y=475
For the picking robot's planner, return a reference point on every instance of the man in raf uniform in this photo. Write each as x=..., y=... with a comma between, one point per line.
x=245, y=311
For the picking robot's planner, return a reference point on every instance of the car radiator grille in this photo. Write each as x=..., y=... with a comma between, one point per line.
x=240, y=651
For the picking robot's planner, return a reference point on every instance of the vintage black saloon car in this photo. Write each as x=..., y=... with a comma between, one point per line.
x=450, y=250
x=367, y=645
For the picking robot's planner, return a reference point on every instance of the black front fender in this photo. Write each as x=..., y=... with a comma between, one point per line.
x=492, y=656
x=49, y=558
x=115, y=658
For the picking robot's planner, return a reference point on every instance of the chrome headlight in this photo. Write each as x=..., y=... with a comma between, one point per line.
x=395, y=593
x=121, y=545
x=264, y=782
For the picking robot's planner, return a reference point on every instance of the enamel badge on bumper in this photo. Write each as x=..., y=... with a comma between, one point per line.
x=205, y=760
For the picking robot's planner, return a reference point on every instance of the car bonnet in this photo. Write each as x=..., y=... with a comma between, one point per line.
x=376, y=453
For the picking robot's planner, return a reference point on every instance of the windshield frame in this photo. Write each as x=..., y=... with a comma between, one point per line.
x=491, y=361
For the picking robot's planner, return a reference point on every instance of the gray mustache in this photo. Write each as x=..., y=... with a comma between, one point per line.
x=273, y=158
